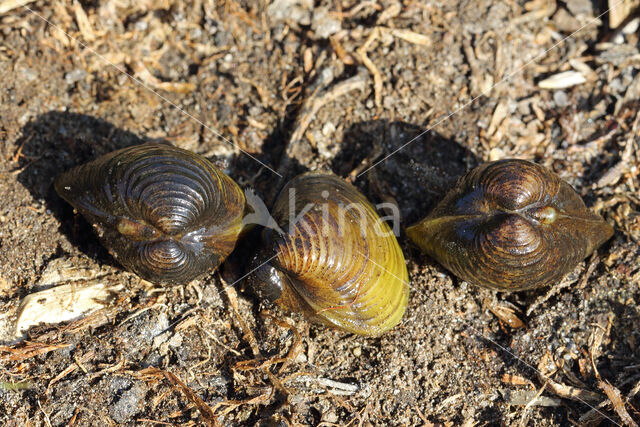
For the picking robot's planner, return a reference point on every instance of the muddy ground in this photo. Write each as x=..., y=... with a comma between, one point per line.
x=335, y=85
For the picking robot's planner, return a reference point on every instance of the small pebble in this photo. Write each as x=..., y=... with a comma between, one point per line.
x=616, y=85
x=330, y=417
x=29, y=74
x=632, y=26
x=141, y=25
x=298, y=11
x=495, y=154
x=560, y=98
x=328, y=129
x=75, y=76
x=580, y=7
x=357, y=352
x=324, y=24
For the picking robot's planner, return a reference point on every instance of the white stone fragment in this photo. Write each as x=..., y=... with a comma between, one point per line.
x=496, y=154
x=324, y=23
x=298, y=11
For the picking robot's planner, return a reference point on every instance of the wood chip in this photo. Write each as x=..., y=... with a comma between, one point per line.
x=8, y=5
x=507, y=315
x=63, y=303
x=572, y=393
x=149, y=79
x=529, y=398
x=562, y=80
x=27, y=351
x=620, y=10
x=344, y=388
x=411, y=36
x=83, y=22
x=308, y=60
x=328, y=385
x=516, y=380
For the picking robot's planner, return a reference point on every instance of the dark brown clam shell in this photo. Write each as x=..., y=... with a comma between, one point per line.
x=167, y=214
x=510, y=225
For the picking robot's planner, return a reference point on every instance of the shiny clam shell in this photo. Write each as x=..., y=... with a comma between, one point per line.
x=167, y=214
x=510, y=225
x=335, y=260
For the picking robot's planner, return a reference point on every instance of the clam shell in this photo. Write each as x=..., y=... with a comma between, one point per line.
x=340, y=262
x=167, y=214
x=510, y=225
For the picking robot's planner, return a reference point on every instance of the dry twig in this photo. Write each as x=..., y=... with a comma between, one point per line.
x=361, y=52
x=248, y=335
x=311, y=107
x=568, y=392
x=27, y=350
x=205, y=410
x=618, y=404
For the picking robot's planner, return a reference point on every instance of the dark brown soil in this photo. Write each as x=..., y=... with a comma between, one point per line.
x=80, y=79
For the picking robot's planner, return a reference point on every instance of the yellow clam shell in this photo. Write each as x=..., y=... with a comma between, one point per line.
x=335, y=260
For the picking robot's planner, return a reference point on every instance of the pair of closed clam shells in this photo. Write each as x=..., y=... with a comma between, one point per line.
x=170, y=216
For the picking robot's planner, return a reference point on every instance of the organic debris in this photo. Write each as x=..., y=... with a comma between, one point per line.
x=402, y=97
